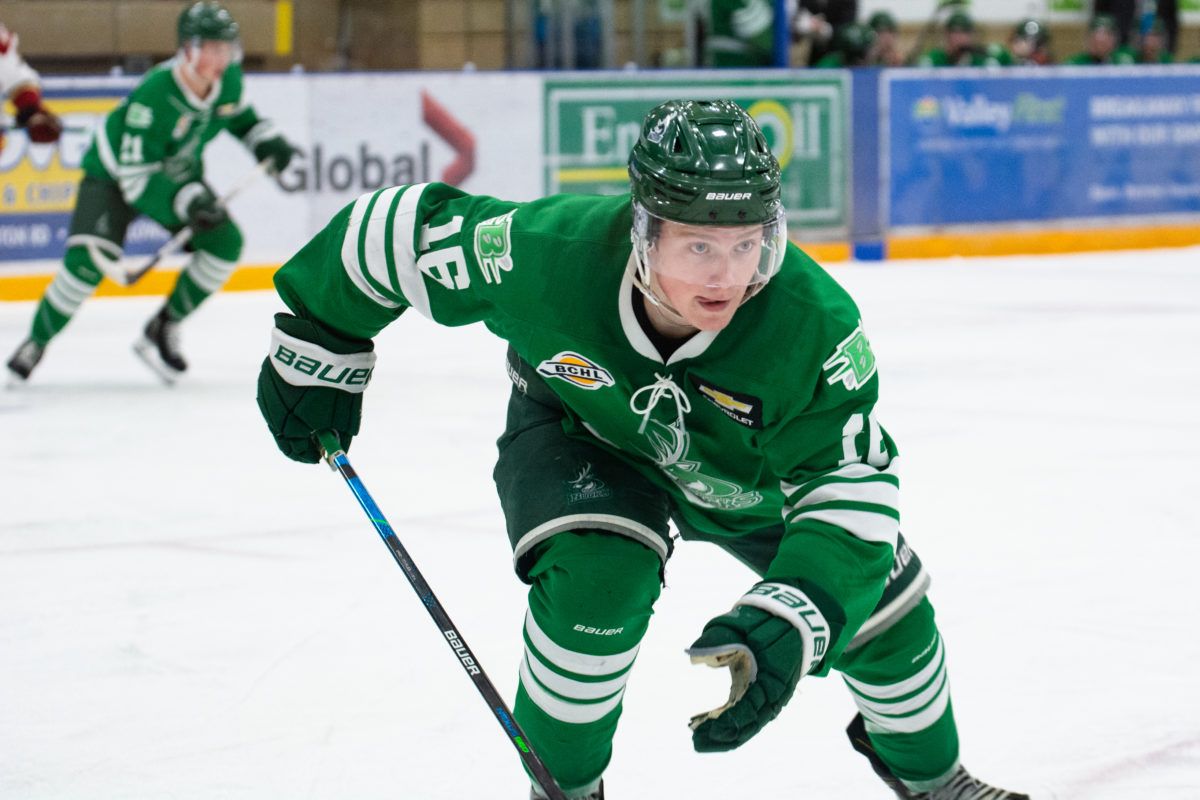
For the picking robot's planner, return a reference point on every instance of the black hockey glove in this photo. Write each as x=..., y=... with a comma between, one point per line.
x=312, y=380
x=761, y=642
x=202, y=213
x=278, y=149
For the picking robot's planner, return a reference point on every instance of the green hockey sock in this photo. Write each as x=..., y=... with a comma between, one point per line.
x=899, y=682
x=203, y=275
x=74, y=282
x=589, y=606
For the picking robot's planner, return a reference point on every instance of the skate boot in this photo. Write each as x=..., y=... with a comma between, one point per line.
x=159, y=347
x=534, y=794
x=960, y=786
x=24, y=360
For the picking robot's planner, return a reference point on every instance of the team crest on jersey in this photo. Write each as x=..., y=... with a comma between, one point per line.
x=852, y=363
x=139, y=116
x=227, y=109
x=741, y=408
x=493, y=246
x=577, y=370
x=586, y=486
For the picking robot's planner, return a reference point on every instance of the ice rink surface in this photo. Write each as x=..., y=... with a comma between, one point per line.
x=185, y=614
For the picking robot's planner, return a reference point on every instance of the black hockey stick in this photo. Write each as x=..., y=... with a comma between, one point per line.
x=184, y=235
x=338, y=461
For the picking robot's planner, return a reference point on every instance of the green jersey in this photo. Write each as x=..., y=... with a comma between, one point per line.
x=1121, y=56
x=769, y=420
x=990, y=55
x=151, y=144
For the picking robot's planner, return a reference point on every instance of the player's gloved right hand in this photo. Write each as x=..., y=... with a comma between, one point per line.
x=761, y=642
x=312, y=380
x=202, y=213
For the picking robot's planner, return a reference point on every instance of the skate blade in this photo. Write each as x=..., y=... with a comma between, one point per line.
x=148, y=353
x=13, y=380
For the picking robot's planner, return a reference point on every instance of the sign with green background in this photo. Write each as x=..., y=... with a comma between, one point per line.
x=591, y=125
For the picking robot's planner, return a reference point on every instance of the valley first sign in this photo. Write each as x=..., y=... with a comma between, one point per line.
x=591, y=125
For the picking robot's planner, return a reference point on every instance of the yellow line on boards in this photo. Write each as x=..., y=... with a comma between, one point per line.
x=159, y=282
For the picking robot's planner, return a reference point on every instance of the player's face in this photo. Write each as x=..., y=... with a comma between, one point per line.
x=704, y=271
x=1102, y=42
x=211, y=58
x=959, y=40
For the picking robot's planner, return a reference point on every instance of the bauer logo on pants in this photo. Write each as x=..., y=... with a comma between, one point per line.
x=577, y=370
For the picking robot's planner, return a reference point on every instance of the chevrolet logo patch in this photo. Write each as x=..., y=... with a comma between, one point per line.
x=741, y=408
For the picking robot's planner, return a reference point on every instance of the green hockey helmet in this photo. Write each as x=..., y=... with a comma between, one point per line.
x=883, y=21
x=704, y=163
x=960, y=21
x=853, y=41
x=207, y=21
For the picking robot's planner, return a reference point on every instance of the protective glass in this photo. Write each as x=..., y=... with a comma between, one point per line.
x=214, y=54
x=713, y=256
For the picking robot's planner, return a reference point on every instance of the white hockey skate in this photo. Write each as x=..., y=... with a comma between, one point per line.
x=961, y=785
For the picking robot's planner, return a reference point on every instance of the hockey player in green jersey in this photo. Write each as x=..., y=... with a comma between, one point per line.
x=701, y=371
x=1101, y=45
x=146, y=159
x=963, y=49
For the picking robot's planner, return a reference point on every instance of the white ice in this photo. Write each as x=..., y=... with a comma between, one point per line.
x=186, y=614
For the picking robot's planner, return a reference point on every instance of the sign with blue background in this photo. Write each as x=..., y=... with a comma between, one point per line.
x=1036, y=145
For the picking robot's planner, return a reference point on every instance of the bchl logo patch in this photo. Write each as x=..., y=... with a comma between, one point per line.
x=577, y=370
x=741, y=408
x=852, y=363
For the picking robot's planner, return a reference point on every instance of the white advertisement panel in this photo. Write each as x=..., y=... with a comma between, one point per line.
x=361, y=131
x=355, y=132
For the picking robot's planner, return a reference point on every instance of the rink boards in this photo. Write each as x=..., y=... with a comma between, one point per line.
x=876, y=164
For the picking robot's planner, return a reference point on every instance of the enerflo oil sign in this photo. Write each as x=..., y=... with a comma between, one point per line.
x=591, y=126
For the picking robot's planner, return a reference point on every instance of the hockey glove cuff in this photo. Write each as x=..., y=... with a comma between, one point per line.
x=773, y=636
x=312, y=380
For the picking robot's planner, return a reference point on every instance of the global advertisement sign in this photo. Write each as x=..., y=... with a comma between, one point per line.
x=1031, y=146
x=591, y=125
